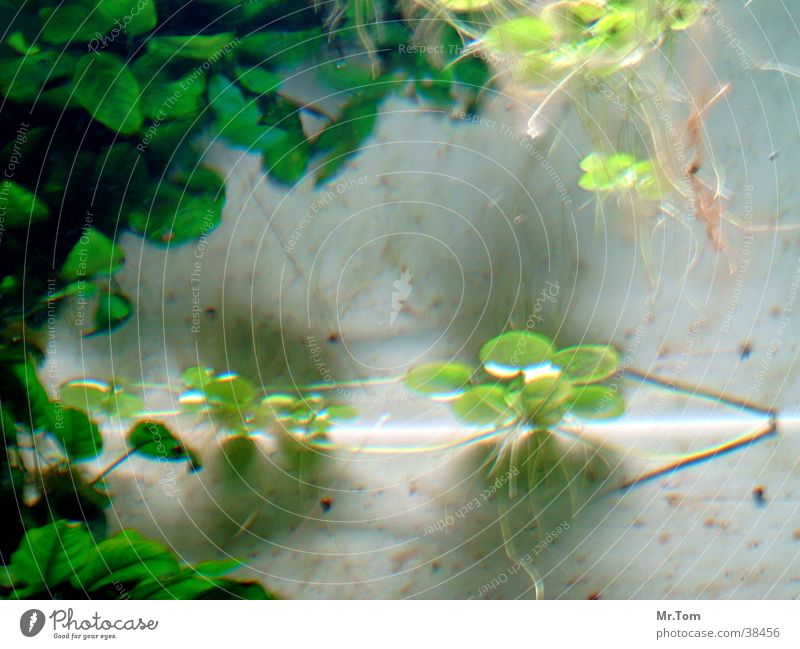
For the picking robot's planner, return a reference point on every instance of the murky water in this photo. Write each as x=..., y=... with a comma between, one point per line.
x=633, y=189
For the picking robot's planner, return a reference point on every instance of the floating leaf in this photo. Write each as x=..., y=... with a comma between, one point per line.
x=587, y=363
x=534, y=394
x=444, y=380
x=87, y=395
x=483, y=404
x=506, y=355
x=121, y=404
x=340, y=412
x=197, y=377
x=93, y=253
x=596, y=402
x=107, y=89
x=230, y=390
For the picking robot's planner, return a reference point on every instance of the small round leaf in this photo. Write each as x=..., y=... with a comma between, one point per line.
x=587, y=363
x=443, y=380
x=596, y=402
x=506, y=355
x=483, y=404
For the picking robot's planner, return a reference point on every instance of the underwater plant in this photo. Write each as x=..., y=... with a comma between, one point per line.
x=58, y=546
x=520, y=394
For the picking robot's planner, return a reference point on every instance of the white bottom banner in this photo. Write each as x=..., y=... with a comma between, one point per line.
x=400, y=623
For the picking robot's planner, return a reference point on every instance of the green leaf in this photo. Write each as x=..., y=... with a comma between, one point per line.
x=42, y=412
x=77, y=433
x=443, y=380
x=98, y=396
x=107, y=89
x=164, y=98
x=537, y=392
x=198, y=47
x=48, y=556
x=239, y=119
x=113, y=310
x=125, y=558
x=93, y=253
x=606, y=173
x=596, y=402
x=483, y=404
x=683, y=13
x=77, y=21
x=280, y=47
x=215, y=568
x=23, y=78
x=21, y=206
x=340, y=413
x=120, y=404
x=506, y=355
x=258, y=80
x=587, y=363
x=8, y=429
x=519, y=36
x=155, y=440
x=86, y=395
x=466, y=5
x=182, y=587
x=197, y=377
x=230, y=391
x=132, y=17
x=176, y=216
x=18, y=42
x=345, y=136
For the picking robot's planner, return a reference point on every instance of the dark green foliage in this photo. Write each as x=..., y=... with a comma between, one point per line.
x=63, y=560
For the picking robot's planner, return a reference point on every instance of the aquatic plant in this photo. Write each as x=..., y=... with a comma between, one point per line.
x=63, y=560
x=58, y=545
x=522, y=392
